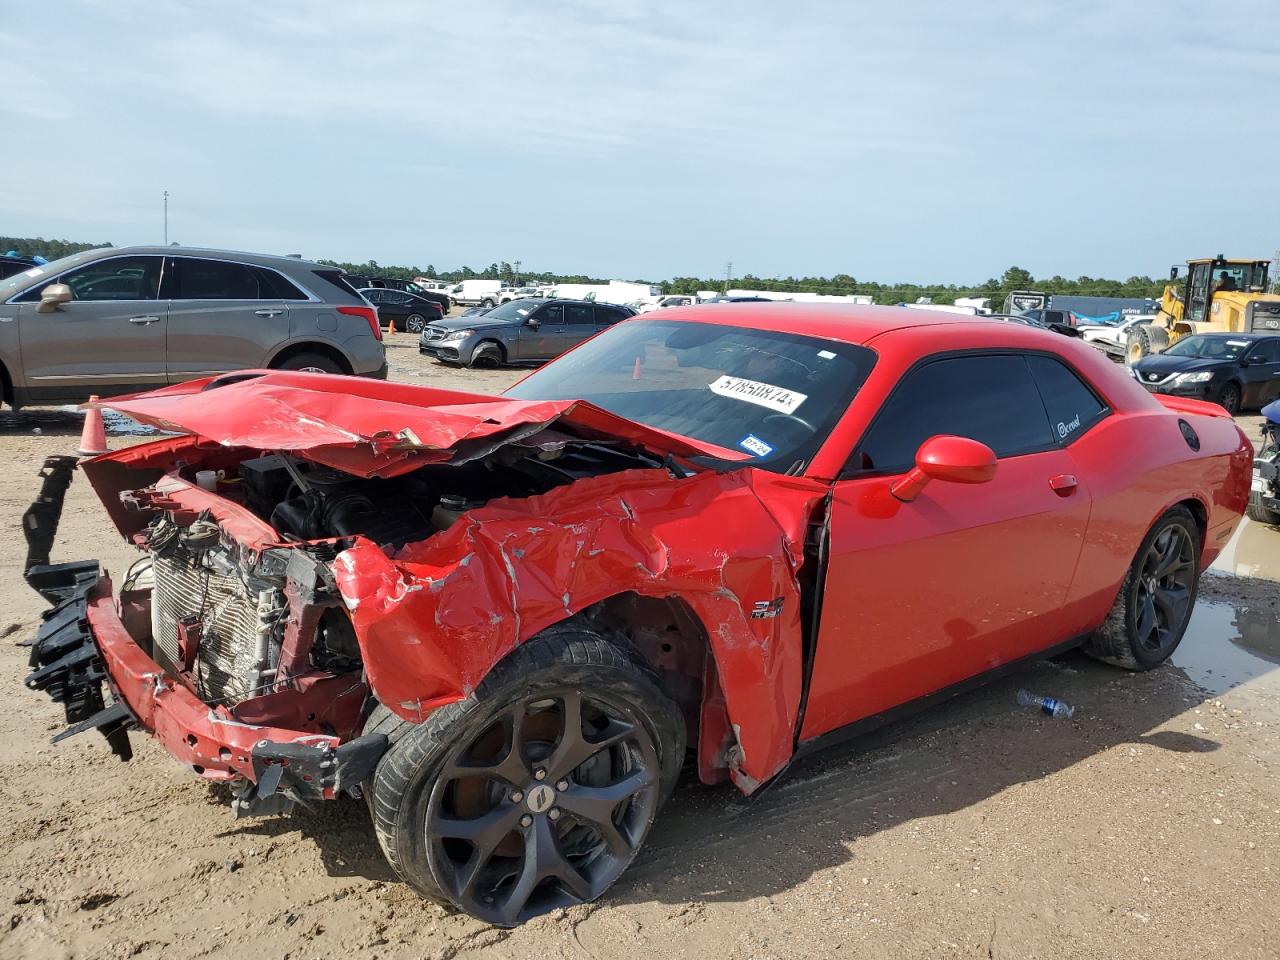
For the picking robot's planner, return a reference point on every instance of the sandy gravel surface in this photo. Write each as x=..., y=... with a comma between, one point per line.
x=1146, y=826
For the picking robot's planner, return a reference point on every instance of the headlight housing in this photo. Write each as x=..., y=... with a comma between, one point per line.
x=1200, y=377
x=457, y=334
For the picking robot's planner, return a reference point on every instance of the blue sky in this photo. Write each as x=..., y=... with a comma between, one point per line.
x=921, y=141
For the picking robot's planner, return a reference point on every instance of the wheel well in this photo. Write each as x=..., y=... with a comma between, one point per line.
x=502, y=350
x=323, y=349
x=6, y=385
x=670, y=638
x=1198, y=511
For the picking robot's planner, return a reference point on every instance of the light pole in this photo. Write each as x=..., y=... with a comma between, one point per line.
x=517, y=273
x=166, y=218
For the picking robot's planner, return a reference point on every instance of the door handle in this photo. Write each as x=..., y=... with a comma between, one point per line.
x=268, y=312
x=144, y=320
x=1064, y=484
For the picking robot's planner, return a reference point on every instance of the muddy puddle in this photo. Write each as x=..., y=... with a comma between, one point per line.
x=1233, y=639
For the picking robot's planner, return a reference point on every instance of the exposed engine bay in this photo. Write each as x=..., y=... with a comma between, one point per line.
x=236, y=597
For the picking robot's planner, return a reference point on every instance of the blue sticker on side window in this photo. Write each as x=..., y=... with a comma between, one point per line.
x=753, y=444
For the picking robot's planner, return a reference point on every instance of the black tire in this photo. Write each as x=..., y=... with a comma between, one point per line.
x=310, y=363
x=487, y=354
x=1123, y=640
x=487, y=304
x=1230, y=398
x=414, y=323
x=531, y=838
x=1259, y=512
x=1144, y=340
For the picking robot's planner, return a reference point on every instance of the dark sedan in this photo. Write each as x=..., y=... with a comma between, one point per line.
x=531, y=329
x=1237, y=370
x=410, y=311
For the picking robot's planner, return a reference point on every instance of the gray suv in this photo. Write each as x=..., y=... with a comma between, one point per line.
x=531, y=329
x=117, y=320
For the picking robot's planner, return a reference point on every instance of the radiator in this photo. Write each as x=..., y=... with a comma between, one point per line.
x=236, y=620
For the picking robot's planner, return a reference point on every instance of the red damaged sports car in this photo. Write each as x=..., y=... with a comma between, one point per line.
x=732, y=531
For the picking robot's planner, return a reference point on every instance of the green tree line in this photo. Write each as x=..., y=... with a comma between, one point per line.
x=995, y=289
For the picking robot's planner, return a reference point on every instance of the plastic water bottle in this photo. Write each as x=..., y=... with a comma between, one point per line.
x=1049, y=705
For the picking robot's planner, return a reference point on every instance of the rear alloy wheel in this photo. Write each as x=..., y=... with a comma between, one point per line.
x=414, y=322
x=1154, y=606
x=1230, y=399
x=537, y=791
x=310, y=363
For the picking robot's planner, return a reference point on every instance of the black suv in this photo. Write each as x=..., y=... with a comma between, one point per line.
x=1237, y=370
x=528, y=330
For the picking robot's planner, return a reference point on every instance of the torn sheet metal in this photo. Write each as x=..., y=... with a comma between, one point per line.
x=436, y=617
x=372, y=428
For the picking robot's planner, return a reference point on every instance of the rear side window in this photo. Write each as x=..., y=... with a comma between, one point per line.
x=579, y=314
x=277, y=285
x=610, y=315
x=1072, y=406
x=217, y=280
x=335, y=279
x=991, y=399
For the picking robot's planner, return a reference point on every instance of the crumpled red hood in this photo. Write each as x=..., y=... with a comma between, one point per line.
x=370, y=427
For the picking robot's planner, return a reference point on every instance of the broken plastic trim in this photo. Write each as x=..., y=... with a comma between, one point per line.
x=289, y=773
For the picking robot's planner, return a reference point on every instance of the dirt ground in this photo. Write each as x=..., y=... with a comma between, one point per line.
x=1146, y=826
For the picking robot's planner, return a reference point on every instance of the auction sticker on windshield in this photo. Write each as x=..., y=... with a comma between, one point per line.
x=761, y=394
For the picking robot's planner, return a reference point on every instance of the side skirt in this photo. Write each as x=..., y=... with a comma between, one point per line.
x=866, y=725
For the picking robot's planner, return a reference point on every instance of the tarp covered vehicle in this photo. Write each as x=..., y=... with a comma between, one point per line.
x=505, y=620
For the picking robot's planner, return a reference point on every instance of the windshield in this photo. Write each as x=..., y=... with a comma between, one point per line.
x=51, y=269
x=774, y=396
x=1213, y=348
x=514, y=311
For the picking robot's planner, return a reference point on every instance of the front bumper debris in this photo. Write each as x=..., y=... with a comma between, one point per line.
x=82, y=645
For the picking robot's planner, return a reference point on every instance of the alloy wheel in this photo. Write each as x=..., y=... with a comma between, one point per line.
x=414, y=323
x=1164, y=588
x=545, y=808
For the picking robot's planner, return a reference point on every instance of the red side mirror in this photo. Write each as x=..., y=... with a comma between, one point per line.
x=955, y=459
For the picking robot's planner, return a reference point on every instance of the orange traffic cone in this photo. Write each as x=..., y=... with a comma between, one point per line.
x=635, y=371
x=93, y=438
x=391, y=325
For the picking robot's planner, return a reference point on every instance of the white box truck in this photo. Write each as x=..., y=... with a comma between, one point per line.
x=470, y=293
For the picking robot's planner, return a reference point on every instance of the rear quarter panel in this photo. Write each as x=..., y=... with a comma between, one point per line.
x=1137, y=466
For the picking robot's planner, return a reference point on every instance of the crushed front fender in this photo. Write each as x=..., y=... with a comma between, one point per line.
x=433, y=619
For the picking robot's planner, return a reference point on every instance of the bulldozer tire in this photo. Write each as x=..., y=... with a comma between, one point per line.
x=1144, y=340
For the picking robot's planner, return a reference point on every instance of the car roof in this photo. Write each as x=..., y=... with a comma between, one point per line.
x=850, y=323
x=1242, y=335
x=211, y=252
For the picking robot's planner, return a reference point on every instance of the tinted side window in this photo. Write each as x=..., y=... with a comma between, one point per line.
x=579, y=314
x=1268, y=351
x=989, y=399
x=551, y=314
x=277, y=284
x=120, y=278
x=1072, y=407
x=217, y=280
x=608, y=315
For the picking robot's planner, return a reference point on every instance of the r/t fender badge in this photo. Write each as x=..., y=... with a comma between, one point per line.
x=766, y=609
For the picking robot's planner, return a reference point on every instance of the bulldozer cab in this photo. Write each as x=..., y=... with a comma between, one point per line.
x=1206, y=278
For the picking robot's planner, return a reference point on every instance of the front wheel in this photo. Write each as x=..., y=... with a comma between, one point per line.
x=487, y=304
x=1230, y=399
x=1154, y=605
x=536, y=791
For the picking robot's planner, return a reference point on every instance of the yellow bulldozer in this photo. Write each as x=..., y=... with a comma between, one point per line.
x=1216, y=296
